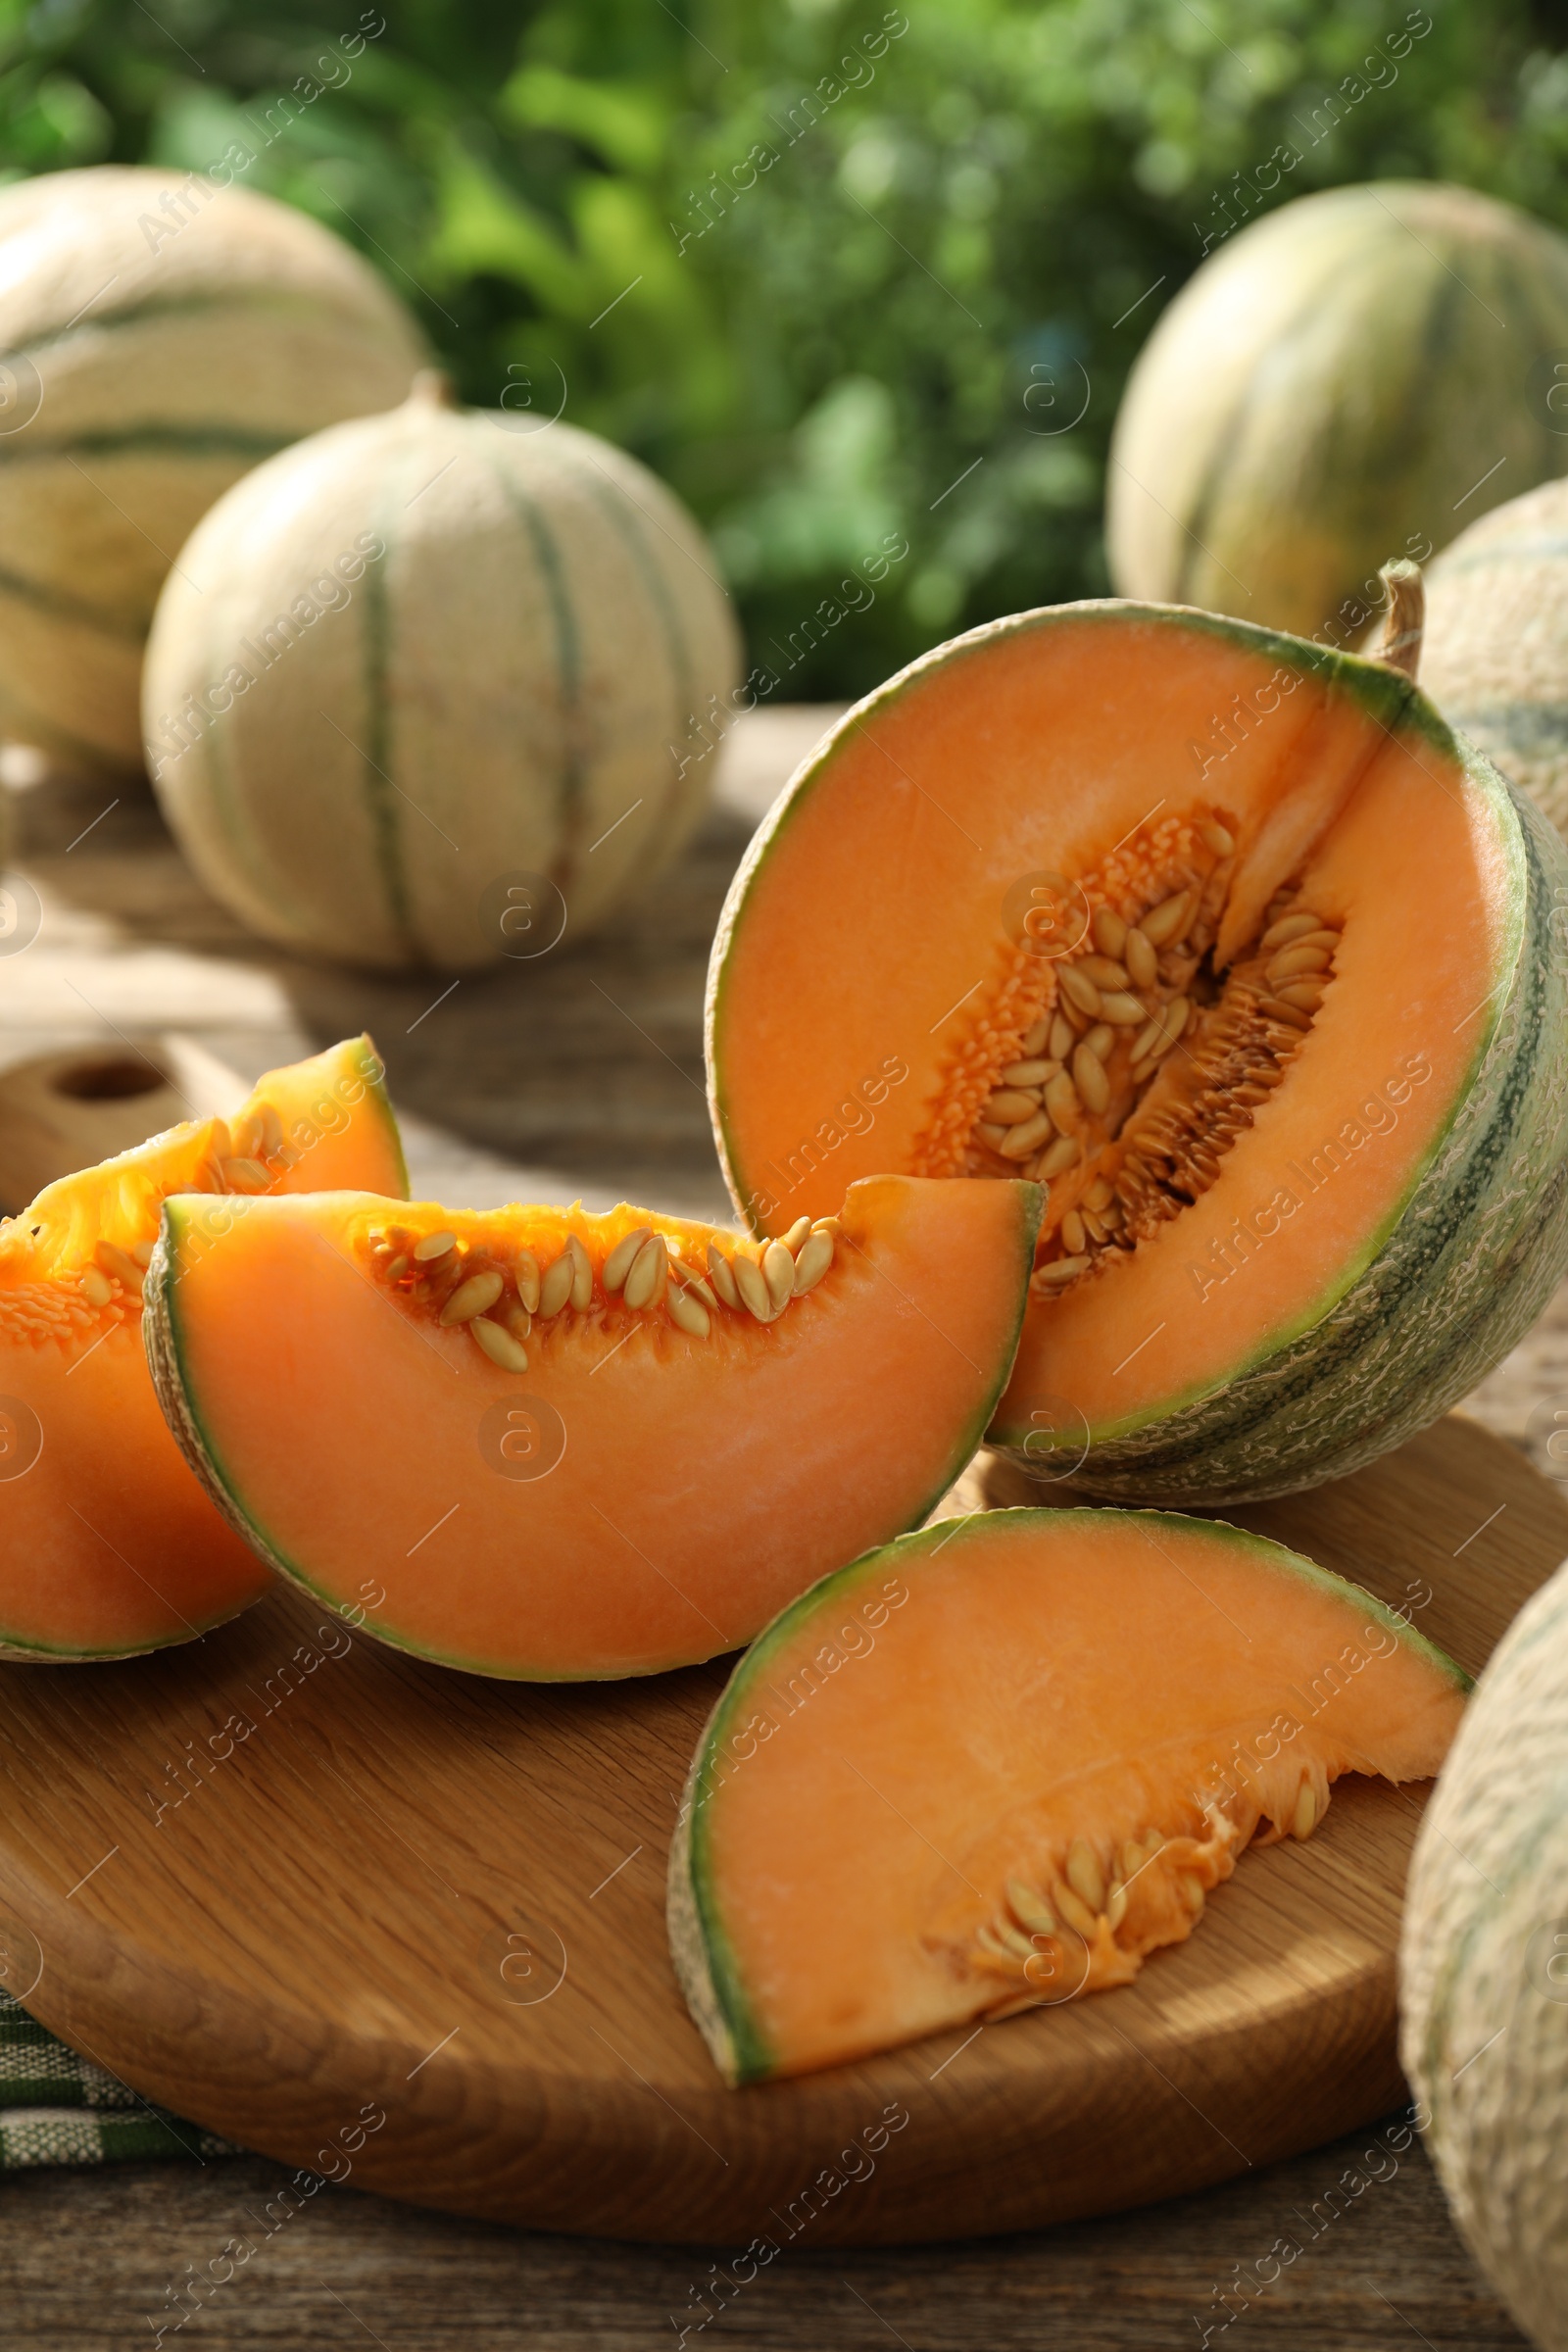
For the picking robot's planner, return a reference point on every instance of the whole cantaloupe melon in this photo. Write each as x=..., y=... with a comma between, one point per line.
x=1495, y=652
x=417, y=689
x=160, y=336
x=1484, y=1970
x=1353, y=377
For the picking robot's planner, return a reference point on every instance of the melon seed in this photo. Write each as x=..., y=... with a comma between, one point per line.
x=996, y=1137
x=516, y=1318
x=1289, y=927
x=115, y=1261
x=1305, y=994
x=720, y=1276
x=244, y=1137
x=797, y=1234
x=690, y=1280
x=1061, y=1270
x=1034, y=1038
x=1278, y=1010
x=272, y=1138
x=1028, y=1074
x=617, y=1265
x=1061, y=1101
x=1084, y=1873
x=143, y=1254
x=1031, y=1910
x=1303, y=1820
x=1143, y=964
x=1089, y=1077
x=1010, y=1106
x=1108, y=930
x=396, y=1268
x=1192, y=1886
x=688, y=1313
x=1063, y=1154
x=556, y=1288
x=1293, y=963
x=1214, y=837
x=1116, y=1905
x=1101, y=1037
x=582, y=1274
x=435, y=1244
x=1079, y=990
x=755, y=1294
x=499, y=1345
x=1106, y=971
x=245, y=1175
x=1098, y=1194
x=1072, y=1233
x=471, y=1298
x=1021, y=1143
x=644, y=1283
x=1076, y=1912
x=1125, y=1010
x=1167, y=920
x=99, y=1288
x=812, y=1263
x=1061, y=1038
x=1147, y=1040
x=1093, y=1226
x=1013, y=1940
x=1132, y=1858
x=525, y=1274
x=778, y=1272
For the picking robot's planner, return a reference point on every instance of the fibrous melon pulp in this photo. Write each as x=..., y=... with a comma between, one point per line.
x=999, y=1762
x=568, y=1445
x=1233, y=944
x=107, y=1545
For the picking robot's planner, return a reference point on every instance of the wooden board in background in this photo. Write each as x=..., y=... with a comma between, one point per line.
x=442, y=1899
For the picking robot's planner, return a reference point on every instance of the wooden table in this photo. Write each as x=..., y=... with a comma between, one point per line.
x=584, y=1075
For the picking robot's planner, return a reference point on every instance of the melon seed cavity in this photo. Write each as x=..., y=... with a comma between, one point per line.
x=1121, y=1074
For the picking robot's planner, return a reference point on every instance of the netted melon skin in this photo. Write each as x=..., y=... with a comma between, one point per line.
x=1494, y=657
x=1464, y=1267
x=1484, y=1970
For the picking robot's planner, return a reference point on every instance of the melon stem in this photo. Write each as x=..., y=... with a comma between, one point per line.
x=1399, y=641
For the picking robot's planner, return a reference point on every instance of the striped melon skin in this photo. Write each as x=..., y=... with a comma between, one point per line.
x=1483, y=1970
x=1330, y=391
x=1495, y=658
x=1465, y=1264
x=154, y=352
x=503, y=691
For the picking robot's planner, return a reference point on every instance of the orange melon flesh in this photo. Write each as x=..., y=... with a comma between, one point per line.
x=925, y=1784
x=638, y=1495
x=107, y=1545
x=858, y=1024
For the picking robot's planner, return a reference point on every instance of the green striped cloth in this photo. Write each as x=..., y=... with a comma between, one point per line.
x=57, y=2107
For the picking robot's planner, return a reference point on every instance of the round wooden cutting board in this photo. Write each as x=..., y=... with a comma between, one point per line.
x=407, y=1930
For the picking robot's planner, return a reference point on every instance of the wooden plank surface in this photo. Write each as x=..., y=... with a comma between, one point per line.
x=586, y=1076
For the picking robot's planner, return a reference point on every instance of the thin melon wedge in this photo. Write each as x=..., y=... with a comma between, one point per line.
x=999, y=1762
x=107, y=1546
x=530, y=1443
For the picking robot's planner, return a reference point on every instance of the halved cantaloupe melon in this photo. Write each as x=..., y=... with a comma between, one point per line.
x=107, y=1546
x=1229, y=940
x=997, y=1763
x=560, y=1445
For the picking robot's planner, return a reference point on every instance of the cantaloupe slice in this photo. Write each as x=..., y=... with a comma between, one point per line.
x=1230, y=942
x=999, y=1762
x=107, y=1546
x=549, y=1445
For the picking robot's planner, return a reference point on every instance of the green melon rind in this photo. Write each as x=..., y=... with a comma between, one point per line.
x=160, y=1332
x=1465, y=1259
x=705, y=1960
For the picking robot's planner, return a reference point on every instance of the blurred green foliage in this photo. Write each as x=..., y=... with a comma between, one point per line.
x=843, y=276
